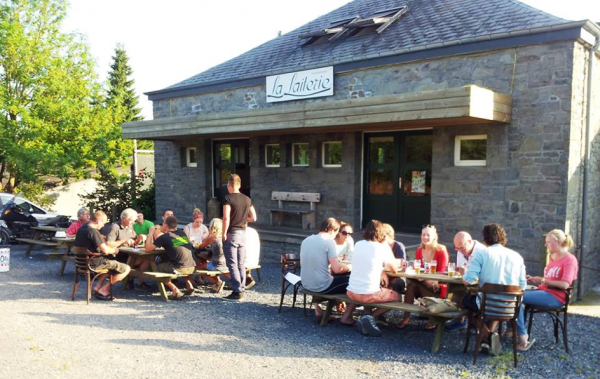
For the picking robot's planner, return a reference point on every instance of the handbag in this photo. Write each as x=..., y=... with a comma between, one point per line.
x=436, y=305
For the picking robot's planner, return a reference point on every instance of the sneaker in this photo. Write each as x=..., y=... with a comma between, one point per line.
x=456, y=325
x=485, y=348
x=234, y=296
x=495, y=346
x=249, y=284
x=370, y=326
x=359, y=325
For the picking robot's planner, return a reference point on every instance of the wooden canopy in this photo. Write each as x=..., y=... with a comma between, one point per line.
x=456, y=106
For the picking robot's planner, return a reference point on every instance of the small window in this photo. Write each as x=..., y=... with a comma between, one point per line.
x=332, y=154
x=272, y=156
x=190, y=157
x=470, y=150
x=300, y=154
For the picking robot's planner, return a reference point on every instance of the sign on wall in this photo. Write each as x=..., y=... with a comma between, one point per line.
x=300, y=85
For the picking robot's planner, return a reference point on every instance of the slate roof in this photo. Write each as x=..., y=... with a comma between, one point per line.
x=427, y=24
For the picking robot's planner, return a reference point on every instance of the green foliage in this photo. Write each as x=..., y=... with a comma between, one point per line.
x=114, y=194
x=55, y=122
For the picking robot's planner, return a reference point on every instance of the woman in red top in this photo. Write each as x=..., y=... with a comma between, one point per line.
x=429, y=251
x=558, y=276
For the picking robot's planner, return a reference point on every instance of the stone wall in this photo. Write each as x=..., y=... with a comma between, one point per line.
x=524, y=186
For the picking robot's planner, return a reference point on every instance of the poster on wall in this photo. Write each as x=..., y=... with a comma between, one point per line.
x=418, y=181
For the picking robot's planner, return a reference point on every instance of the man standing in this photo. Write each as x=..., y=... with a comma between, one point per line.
x=237, y=212
x=498, y=265
x=88, y=238
x=318, y=259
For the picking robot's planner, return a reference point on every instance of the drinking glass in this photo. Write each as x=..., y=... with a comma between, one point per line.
x=433, y=267
x=417, y=266
x=451, y=270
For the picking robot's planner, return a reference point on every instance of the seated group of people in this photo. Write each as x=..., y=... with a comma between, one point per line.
x=326, y=270
x=194, y=247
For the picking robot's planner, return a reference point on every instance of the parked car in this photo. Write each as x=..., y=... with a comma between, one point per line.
x=40, y=214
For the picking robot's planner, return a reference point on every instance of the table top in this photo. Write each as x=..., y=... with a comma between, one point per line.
x=64, y=239
x=49, y=228
x=442, y=278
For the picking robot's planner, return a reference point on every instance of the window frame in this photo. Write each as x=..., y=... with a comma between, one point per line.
x=267, y=155
x=294, y=164
x=188, y=162
x=466, y=163
x=323, y=155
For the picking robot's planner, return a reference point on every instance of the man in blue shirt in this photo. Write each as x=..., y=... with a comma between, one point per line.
x=498, y=265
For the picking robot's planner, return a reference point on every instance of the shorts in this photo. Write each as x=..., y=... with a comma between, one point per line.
x=384, y=295
x=167, y=267
x=470, y=302
x=338, y=286
x=113, y=266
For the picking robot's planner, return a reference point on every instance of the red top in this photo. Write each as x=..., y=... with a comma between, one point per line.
x=564, y=269
x=442, y=258
x=74, y=227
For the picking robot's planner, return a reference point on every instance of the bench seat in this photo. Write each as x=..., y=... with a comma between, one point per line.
x=32, y=241
x=435, y=318
x=217, y=273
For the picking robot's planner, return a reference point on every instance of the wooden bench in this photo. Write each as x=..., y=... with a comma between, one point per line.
x=217, y=273
x=36, y=242
x=438, y=319
x=309, y=218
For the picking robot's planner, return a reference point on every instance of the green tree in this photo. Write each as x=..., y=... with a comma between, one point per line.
x=121, y=95
x=53, y=121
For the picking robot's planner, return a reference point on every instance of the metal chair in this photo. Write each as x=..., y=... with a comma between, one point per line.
x=498, y=303
x=290, y=263
x=82, y=266
x=555, y=314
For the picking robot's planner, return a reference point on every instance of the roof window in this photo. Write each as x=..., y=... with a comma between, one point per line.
x=354, y=27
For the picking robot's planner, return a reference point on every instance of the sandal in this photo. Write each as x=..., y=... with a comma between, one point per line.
x=527, y=346
x=217, y=287
x=176, y=296
x=402, y=324
x=353, y=323
x=430, y=326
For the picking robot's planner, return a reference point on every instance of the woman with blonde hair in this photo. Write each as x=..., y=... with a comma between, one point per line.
x=559, y=274
x=429, y=251
x=212, y=258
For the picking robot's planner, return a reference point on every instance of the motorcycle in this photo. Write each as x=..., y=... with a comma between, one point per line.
x=18, y=223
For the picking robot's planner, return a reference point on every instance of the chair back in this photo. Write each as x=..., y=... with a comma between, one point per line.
x=290, y=263
x=500, y=302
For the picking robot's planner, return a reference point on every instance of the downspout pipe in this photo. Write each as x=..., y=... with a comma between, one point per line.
x=586, y=166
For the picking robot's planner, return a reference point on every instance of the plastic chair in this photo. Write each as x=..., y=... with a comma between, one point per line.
x=290, y=263
x=498, y=303
x=555, y=313
x=82, y=266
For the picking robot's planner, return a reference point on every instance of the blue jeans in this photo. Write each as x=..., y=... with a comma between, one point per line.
x=538, y=298
x=235, y=255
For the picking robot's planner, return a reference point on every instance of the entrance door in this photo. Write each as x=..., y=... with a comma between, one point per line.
x=397, y=184
x=231, y=157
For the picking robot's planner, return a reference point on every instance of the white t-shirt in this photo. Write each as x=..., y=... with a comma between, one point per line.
x=347, y=248
x=368, y=261
x=460, y=258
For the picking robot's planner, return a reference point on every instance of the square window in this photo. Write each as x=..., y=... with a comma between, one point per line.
x=470, y=150
x=190, y=157
x=272, y=156
x=332, y=154
x=300, y=154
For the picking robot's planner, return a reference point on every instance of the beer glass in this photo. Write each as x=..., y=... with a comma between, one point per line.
x=451, y=270
x=417, y=266
x=433, y=267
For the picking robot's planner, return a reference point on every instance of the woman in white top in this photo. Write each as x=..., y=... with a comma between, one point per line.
x=344, y=244
x=196, y=231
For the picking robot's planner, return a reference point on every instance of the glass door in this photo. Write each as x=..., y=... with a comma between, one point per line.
x=231, y=157
x=397, y=188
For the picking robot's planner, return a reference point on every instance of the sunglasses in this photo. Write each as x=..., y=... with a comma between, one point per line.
x=345, y=233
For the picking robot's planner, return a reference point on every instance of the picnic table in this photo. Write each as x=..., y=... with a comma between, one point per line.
x=67, y=243
x=159, y=277
x=455, y=283
x=37, y=238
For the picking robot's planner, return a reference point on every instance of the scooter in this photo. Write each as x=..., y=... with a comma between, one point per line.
x=17, y=223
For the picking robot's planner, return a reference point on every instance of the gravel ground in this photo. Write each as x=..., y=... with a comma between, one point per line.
x=45, y=334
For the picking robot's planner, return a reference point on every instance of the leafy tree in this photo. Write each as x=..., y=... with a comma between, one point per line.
x=52, y=115
x=121, y=94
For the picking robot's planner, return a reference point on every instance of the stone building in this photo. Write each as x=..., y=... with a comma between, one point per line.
x=450, y=112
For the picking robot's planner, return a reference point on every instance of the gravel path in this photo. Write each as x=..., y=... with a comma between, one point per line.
x=45, y=334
